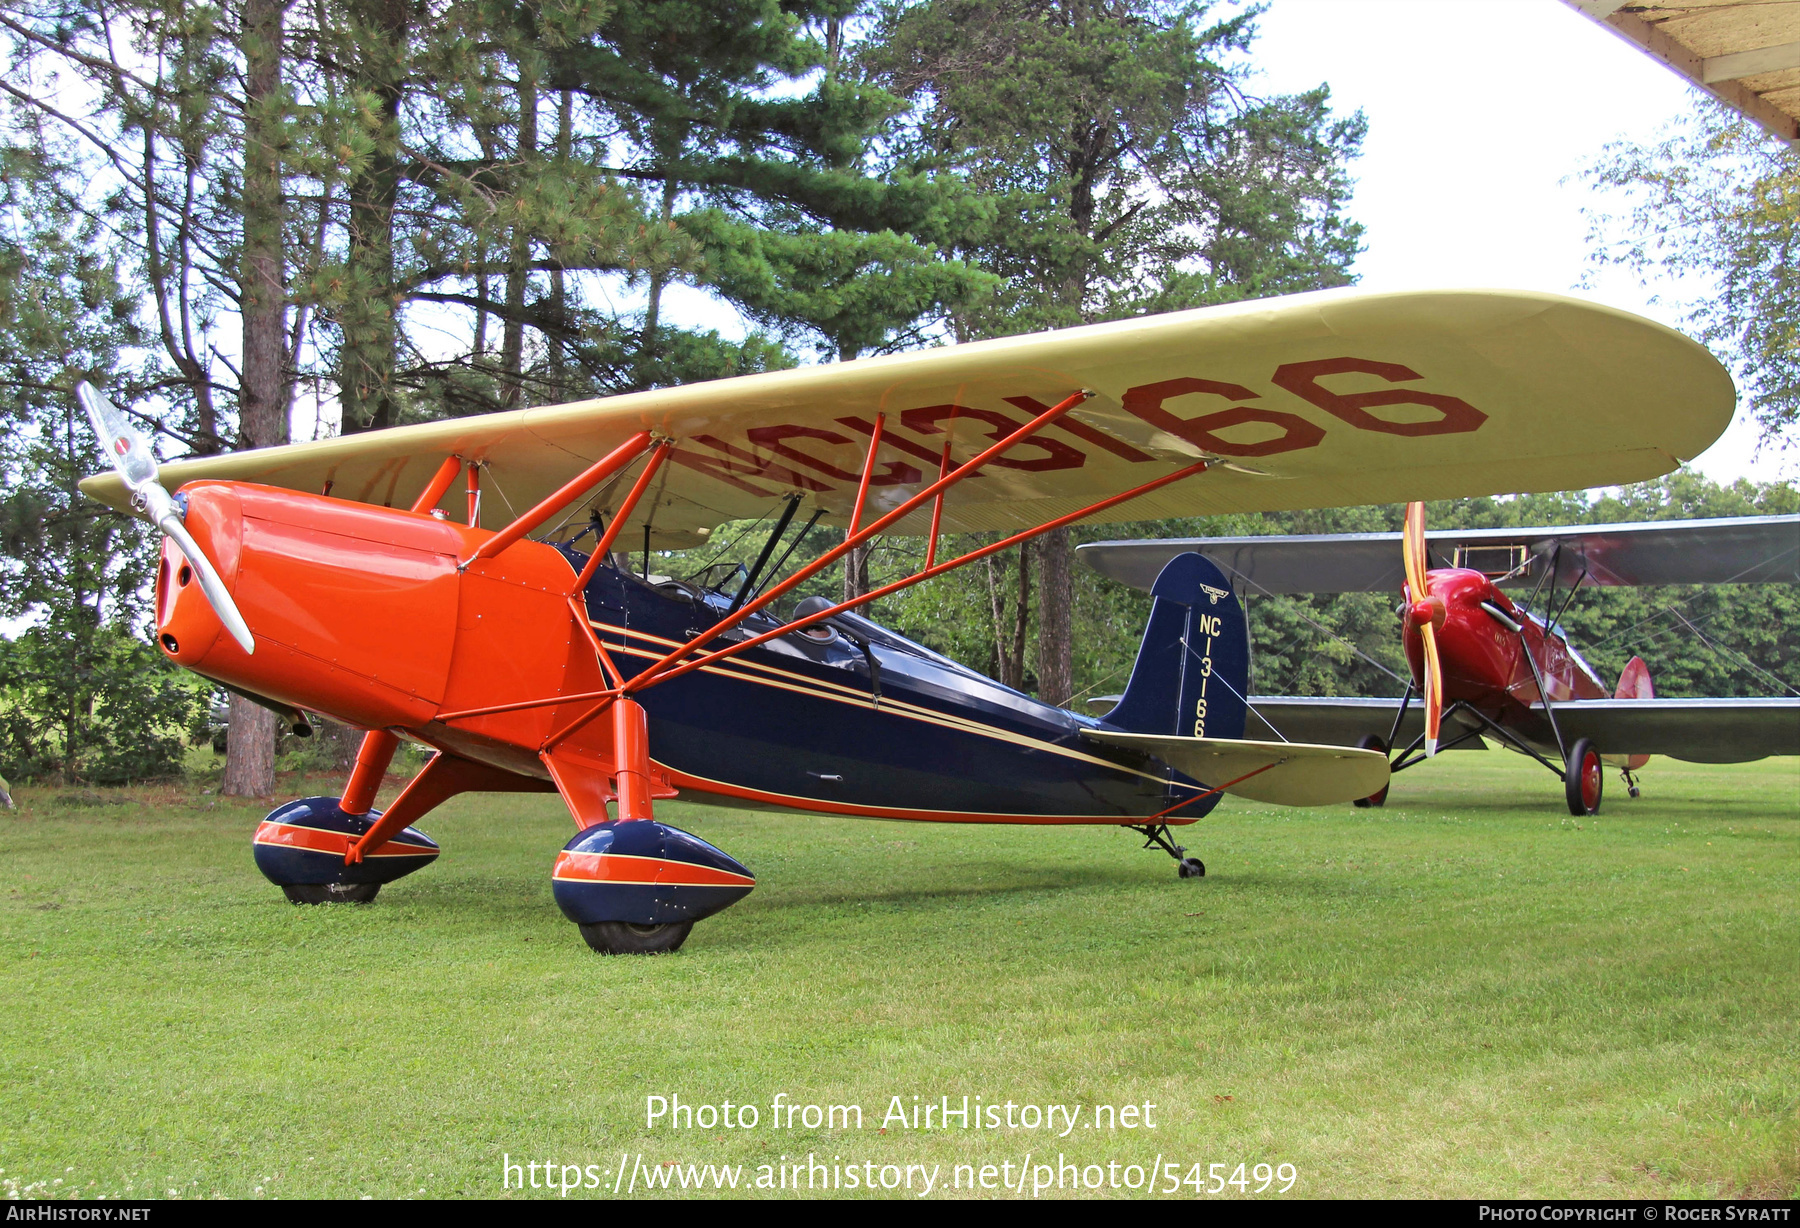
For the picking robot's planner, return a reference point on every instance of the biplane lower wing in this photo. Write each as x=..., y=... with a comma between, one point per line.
x=1697, y=730
x=1342, y=720
x=1734, y=550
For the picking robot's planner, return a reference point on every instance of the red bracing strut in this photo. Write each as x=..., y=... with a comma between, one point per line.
x=859, y=537
x=862, y=488
x=593, y=475
x=658, y=454
x=676, y=671
x=937, y=509
x=440, y=482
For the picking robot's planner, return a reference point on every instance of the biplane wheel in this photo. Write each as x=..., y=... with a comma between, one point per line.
x=1584, y=778
x=1190, y=867
x=330, y=893
x=627, y=938
x=1372, y=741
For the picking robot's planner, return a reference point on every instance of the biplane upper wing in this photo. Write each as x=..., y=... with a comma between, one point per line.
x=1334, y=398
x=1739, y=550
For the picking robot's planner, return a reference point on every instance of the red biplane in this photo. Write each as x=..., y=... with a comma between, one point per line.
x=1484, y=664
x=523, y=648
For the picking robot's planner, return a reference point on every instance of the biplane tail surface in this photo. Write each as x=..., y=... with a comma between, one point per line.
x=1193, y=667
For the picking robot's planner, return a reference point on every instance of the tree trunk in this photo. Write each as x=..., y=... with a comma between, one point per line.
x=250, y=756
x=659, y=276
x=263, y=394
x=559, y=293
x=1010, y=629
x=856, y=573
x=518, y=272
x=1021, y=618
x=1056, y=610
x=997, y=604
x=379, y=31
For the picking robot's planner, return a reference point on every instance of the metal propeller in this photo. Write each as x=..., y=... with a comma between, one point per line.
x=136, y=464
x=1426, y=613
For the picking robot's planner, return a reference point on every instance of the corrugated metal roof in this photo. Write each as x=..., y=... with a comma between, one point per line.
x=1744, y=52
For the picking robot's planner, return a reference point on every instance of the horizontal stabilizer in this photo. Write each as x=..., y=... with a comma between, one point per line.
x=1286, y=773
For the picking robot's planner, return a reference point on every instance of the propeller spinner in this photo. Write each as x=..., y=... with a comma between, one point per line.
x=136, y=464
x=1426, y=613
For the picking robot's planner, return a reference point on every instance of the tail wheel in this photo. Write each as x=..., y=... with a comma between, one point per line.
x=1372, y=741
x=626, y=938
x=1584, y=778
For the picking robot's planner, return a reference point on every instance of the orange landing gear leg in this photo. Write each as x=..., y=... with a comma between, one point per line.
x=631, y=751
x=378, y=747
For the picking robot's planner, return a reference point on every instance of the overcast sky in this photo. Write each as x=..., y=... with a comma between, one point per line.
x=1480, y=116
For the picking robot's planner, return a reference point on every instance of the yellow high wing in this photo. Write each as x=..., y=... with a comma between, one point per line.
x=1315, y=400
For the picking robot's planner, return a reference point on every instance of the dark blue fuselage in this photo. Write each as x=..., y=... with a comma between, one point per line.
x=848, y=717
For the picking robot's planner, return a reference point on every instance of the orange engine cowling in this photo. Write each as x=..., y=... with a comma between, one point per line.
x=361, y=613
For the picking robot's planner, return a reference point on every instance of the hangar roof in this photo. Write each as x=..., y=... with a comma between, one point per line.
x=1744, y=52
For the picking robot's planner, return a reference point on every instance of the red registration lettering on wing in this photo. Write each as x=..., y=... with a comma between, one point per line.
x=896, y=473
x=1146, y=402
x=1302, y=379
x=1057, y=454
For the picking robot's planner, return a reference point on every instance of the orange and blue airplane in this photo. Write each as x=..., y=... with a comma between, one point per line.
x=469, y=585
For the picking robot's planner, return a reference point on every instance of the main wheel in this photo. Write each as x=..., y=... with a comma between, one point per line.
x=1583, y=778
x=1191, y=867
x=624, y=938
x=330, y=893
x=1372, y=741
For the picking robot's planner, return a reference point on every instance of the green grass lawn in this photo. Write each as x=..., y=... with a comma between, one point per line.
x=1468, y=993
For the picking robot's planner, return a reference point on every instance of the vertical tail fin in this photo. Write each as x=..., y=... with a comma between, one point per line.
x=1634, y=683
x=1193, y=667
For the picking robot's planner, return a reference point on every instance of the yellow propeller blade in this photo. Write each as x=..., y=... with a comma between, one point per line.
x=1412, y=548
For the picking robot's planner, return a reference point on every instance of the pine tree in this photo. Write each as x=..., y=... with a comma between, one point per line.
x=1131, y=174
x=84, y=698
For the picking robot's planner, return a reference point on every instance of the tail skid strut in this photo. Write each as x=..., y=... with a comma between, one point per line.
x=1158, y=836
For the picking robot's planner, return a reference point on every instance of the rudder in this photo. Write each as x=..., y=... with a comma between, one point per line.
x=1193, y=666
x=1634, y=683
